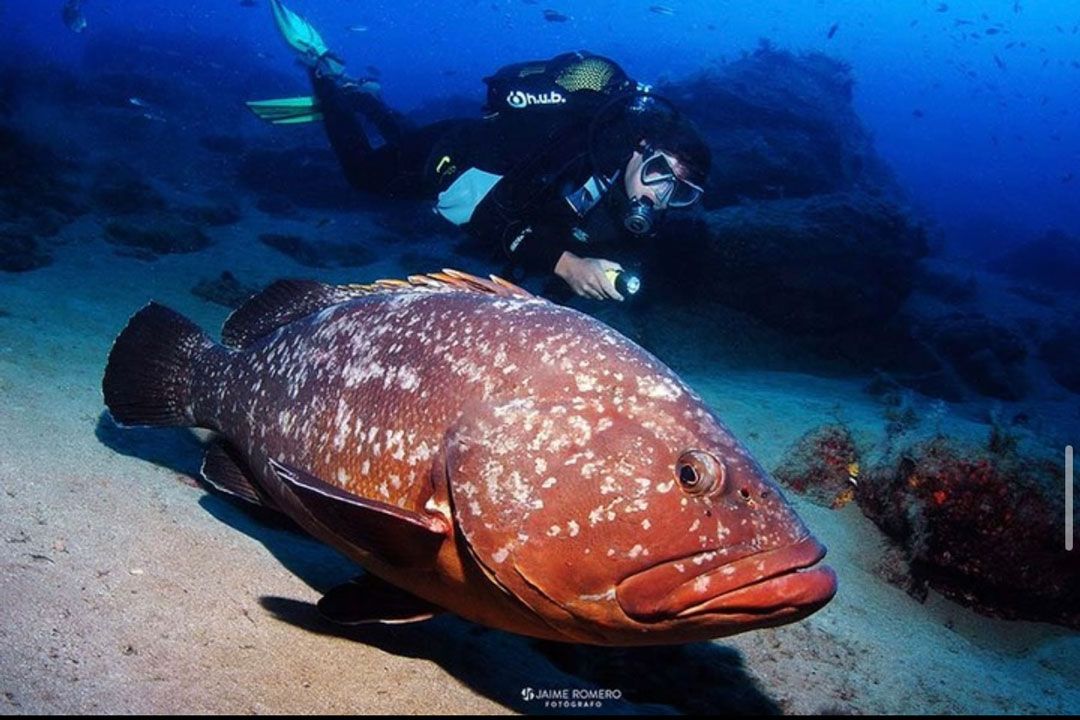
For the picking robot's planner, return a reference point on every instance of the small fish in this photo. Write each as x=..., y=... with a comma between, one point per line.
x=913, y=23
x=991, y=31
x=481, y=451
x=138, y=102
x=999, y=62
x=555, y=16
x=1068, y=177
x=73, y=17
x=941, y=8
x=373, y=71
x=248, y=3
x=661, y=10
x=358, y=28
x=832, y=31
x=960, y=23
x=917, y=113
x=1017, y=7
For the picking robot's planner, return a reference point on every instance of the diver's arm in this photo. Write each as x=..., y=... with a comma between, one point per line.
x=546, y=246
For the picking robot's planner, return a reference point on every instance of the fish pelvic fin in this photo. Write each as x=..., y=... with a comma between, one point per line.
x=286, y=301
x=369, y=599
x=224, y=468
x=151, y=366
x=399, y=537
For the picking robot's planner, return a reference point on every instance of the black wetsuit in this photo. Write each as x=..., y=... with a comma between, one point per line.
x=548, y=198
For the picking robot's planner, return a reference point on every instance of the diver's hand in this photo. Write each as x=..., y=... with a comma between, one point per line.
x=588, y=276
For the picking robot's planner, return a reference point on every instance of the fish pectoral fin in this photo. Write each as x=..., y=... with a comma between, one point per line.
x=397, y=536
x=369, y=599
x=225, y=470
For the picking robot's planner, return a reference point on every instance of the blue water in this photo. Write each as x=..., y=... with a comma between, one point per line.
x=990, y=159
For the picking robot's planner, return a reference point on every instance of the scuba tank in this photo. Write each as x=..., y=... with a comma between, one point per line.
x=574, y=84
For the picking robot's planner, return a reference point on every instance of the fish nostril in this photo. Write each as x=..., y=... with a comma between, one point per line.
x=744, y=493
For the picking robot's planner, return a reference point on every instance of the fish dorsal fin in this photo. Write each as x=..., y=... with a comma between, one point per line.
x=285, y=301
x=282, y=302
x=445, y=281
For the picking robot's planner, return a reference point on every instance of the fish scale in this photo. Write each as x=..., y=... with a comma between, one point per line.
x=482, y=451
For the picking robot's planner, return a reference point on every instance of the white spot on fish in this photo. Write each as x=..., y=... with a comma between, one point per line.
x=585, y=383
x=634, y=551
x=608, y=594
x=573, y=528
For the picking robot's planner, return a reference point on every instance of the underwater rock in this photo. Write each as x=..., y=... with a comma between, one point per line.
x=224, y=290
x=781, y=125
x=157, y=235
x=1061, y=353
x=277, y=206
x=36, y=192
x=319, y=254
x=1052, y=261
x=223, y=144
x=823, y=465
x=212, y=215
x=21, y=252
x=120, y=191
x=988, y=357
x=980, y=527
x=822, y=265
x=947, y=287
x=308, y=177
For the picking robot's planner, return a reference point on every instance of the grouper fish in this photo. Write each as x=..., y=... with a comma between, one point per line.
x=481, y=451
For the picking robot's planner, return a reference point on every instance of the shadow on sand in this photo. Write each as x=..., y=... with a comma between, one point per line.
x=701, y=678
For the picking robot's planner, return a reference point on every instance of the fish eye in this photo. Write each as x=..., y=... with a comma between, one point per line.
x=699, y=472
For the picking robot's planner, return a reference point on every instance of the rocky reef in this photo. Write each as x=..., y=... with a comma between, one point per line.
x=982, y=525
x=803, y=227
x=38, y=197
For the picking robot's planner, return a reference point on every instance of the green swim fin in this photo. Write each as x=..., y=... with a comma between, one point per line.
x=300, y=35
x=287, y=111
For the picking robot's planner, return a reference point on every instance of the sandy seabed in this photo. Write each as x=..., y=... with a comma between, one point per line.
x=126, y=588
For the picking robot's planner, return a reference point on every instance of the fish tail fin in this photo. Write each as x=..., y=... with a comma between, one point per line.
x=148, y=378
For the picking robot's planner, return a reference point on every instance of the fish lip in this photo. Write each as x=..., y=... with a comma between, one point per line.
x=781, y=581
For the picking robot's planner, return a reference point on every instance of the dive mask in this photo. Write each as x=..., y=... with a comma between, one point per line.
x=671, y=190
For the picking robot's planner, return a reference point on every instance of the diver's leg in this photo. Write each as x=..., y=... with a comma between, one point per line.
x=337, y=102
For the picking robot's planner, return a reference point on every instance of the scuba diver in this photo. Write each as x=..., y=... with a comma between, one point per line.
x=570, y=159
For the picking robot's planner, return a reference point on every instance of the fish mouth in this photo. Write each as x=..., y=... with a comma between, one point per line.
x=780, y=582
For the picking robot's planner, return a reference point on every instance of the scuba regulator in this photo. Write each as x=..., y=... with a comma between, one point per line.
x=640, y=217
